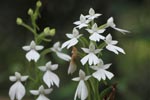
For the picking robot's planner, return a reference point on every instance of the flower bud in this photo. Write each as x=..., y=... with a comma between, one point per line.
x=38, y=4
x=52, y=32
x=30, y=12
x=48, y=31
x=19, y=21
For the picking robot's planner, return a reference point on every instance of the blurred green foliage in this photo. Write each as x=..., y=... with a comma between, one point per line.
x=131, y=70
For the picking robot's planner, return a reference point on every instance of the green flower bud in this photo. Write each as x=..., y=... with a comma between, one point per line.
x=46, y=30
x=52, y=32
x=19, y=21
x=30, y=12
x=38, y=4
x=49, y=32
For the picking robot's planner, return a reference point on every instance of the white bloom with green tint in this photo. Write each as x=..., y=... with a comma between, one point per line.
x=95, y=33
x=57, y=49
x=83, y=22
x=49, y=77
x=110, y=23
x=73, y=39
x=17, y=90
x=92, y=15
x=81, y=91
x=101, y=72
x=111, y=45
x=32, y=53
x=41, y=92
x=91, y=57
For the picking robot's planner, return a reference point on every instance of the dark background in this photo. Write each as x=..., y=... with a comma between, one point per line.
x=131, y=70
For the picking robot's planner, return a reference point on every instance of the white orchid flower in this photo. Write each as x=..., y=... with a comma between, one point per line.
x=91, y=57
x=82, y=22
x=101, y=72
x=56, y=48
x=110, y=23
x=92, y=15
x=73, y=39
x=95, y=33
x=41, y=92
x=81, y=91
x=111, y=45
x=32, y=53
x=17, y=90
x=49, y=77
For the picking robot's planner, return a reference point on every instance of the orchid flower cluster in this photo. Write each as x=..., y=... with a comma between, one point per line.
x=86, y=56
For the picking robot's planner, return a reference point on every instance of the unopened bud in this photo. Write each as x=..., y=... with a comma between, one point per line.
x=46, y=30
x=19, y=21
x=49, y=32
x=30, y=12
x=52, y=32
x=38, y=4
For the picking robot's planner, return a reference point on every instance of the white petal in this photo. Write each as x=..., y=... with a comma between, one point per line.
x=101, y=31
x=63, y=56
x=108, y=38
x=76, y=79
x=82, y=90
x=34, y=92
x=42, y=68
x=111, y=48
x=65, y=44
x=114, y=42
x=42, y=97
x=48, y=91
x=121, y=30
x=84, y=59
x=50, y=78
x=109, y=74
x=110, y=22
x=54, y=67
x=12, y=78
x=69, y=36
x=119, y=49
x=72, y=42
x=32, y=55
x=77, y=23
x=26, y=48
x=56, y=45
x=87, y=77
x=94, y=67
x=24, y=78
x=93, y=59
x=85, y=50
x=106, y=66
x=96, y=37
x=97, y=75
x=82, y=25
x=13, y=90
x=17, y=90
x=38, y=47
x=90, y=31
x=97, y=51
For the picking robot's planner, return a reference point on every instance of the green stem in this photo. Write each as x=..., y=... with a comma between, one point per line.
x=91, y=82
x=29, y=28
